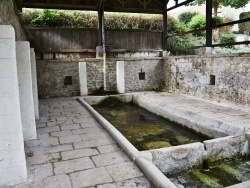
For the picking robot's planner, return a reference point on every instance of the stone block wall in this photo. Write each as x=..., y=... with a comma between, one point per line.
x=194, y=75
x=154, y=78
x=94, y=76
x=10, y=16
x=51, y=75
x=51, y=78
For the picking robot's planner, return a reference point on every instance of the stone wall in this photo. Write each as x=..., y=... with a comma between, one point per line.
x=193, y=75
x=51, y=76
x=10, y=16
x=154, y=79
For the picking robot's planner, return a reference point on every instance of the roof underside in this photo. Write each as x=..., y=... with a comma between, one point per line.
x=133, y=6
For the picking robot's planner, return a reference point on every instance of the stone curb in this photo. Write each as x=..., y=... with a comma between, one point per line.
x=149, y=169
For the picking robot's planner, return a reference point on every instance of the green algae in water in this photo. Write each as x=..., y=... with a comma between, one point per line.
x=142, y=128
x=156, y=144
x=207, y=180
x=222, y=175
x=234, y=172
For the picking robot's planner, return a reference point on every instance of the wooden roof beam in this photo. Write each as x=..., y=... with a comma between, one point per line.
x=59, y=6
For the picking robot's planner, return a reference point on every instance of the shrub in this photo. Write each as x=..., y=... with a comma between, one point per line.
x=181, y=42
x=79, y=19
x=45, y=18
x=227, y=38
x=244, y=26
x=198, y=22
x=216, y=20
x=186, y=17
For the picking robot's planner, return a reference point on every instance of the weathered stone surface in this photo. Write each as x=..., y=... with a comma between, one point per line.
x=70, y=127
x=61, y=181
x=93, y=143
x=47, y=130
x=88, y=130
x=94, y=136
x=88, y=177
x=42, y=159
x=124, y=171
x=223, y=147
x=59, y=148
x=65, y=167
x=140, y=182
x=178, y=158
x=61, y=133
x=42, y=142
x=40, y=171
x=69, y=139
x=78, y=153
x=191, y=75
x=110, y=159
x=48, y=162
x=109, y=148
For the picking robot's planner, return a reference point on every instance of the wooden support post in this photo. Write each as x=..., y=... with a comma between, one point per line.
x=100, y=23
x=209, y=30
x=165, y=25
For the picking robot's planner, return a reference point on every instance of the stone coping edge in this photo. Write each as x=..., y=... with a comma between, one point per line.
x=245, y=184
x=149, y=169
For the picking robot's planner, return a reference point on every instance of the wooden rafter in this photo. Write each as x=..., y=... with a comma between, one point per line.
x=58, y=6
x=111, y=6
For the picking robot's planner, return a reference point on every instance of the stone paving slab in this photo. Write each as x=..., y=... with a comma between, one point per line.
x=74, y=151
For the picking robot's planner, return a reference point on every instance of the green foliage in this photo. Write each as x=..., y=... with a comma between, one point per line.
x=216, y=20
x=198, y=22
x=45, y=18
x=227, y=38
x=186, y=17
x=232, y=3
x=244, y=26
x=182, y=42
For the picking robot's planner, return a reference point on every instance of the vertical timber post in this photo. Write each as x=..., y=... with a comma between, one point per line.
x=209, y=30
x=104, y=50
x=99, y=51
x=165, y=28
x=100, y=24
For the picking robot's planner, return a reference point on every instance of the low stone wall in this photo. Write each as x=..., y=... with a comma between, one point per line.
x=51, y=75
x=225, y=78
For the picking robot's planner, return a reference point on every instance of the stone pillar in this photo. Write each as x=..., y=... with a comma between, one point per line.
x=120, y=77
x=12, y=157
x=83, y=78
x=25, y=90
x=206, y=50
x=34, y=82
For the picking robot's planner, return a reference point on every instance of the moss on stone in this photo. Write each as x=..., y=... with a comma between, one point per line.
x=237, y=174
x=182, y=139
x=156, y=144
x=211, y=182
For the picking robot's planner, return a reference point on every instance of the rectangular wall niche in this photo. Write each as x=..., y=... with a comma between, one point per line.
x=68, y=80
x=212, y=80
x=141, y=75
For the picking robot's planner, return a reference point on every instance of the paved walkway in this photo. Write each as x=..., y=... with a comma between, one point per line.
x=73, y=150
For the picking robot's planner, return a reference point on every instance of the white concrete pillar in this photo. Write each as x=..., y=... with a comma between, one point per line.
x=83, y=78
x=25, y=90
x=120, y=80
x=34, y=82
x=13, y=168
